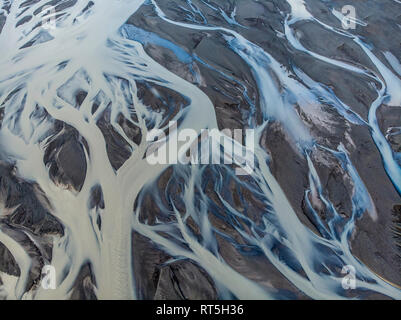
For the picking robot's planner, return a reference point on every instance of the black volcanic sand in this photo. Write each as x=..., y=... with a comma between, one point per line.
x=373, y=242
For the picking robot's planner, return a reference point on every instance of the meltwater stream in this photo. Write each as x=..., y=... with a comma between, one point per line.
x=93, y=49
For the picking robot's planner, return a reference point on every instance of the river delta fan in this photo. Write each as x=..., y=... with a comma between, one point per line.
x=85, y=105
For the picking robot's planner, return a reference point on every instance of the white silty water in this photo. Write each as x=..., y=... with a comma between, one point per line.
x=92, y=48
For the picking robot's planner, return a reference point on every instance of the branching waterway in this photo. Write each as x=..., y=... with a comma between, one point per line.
x=96, y=81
